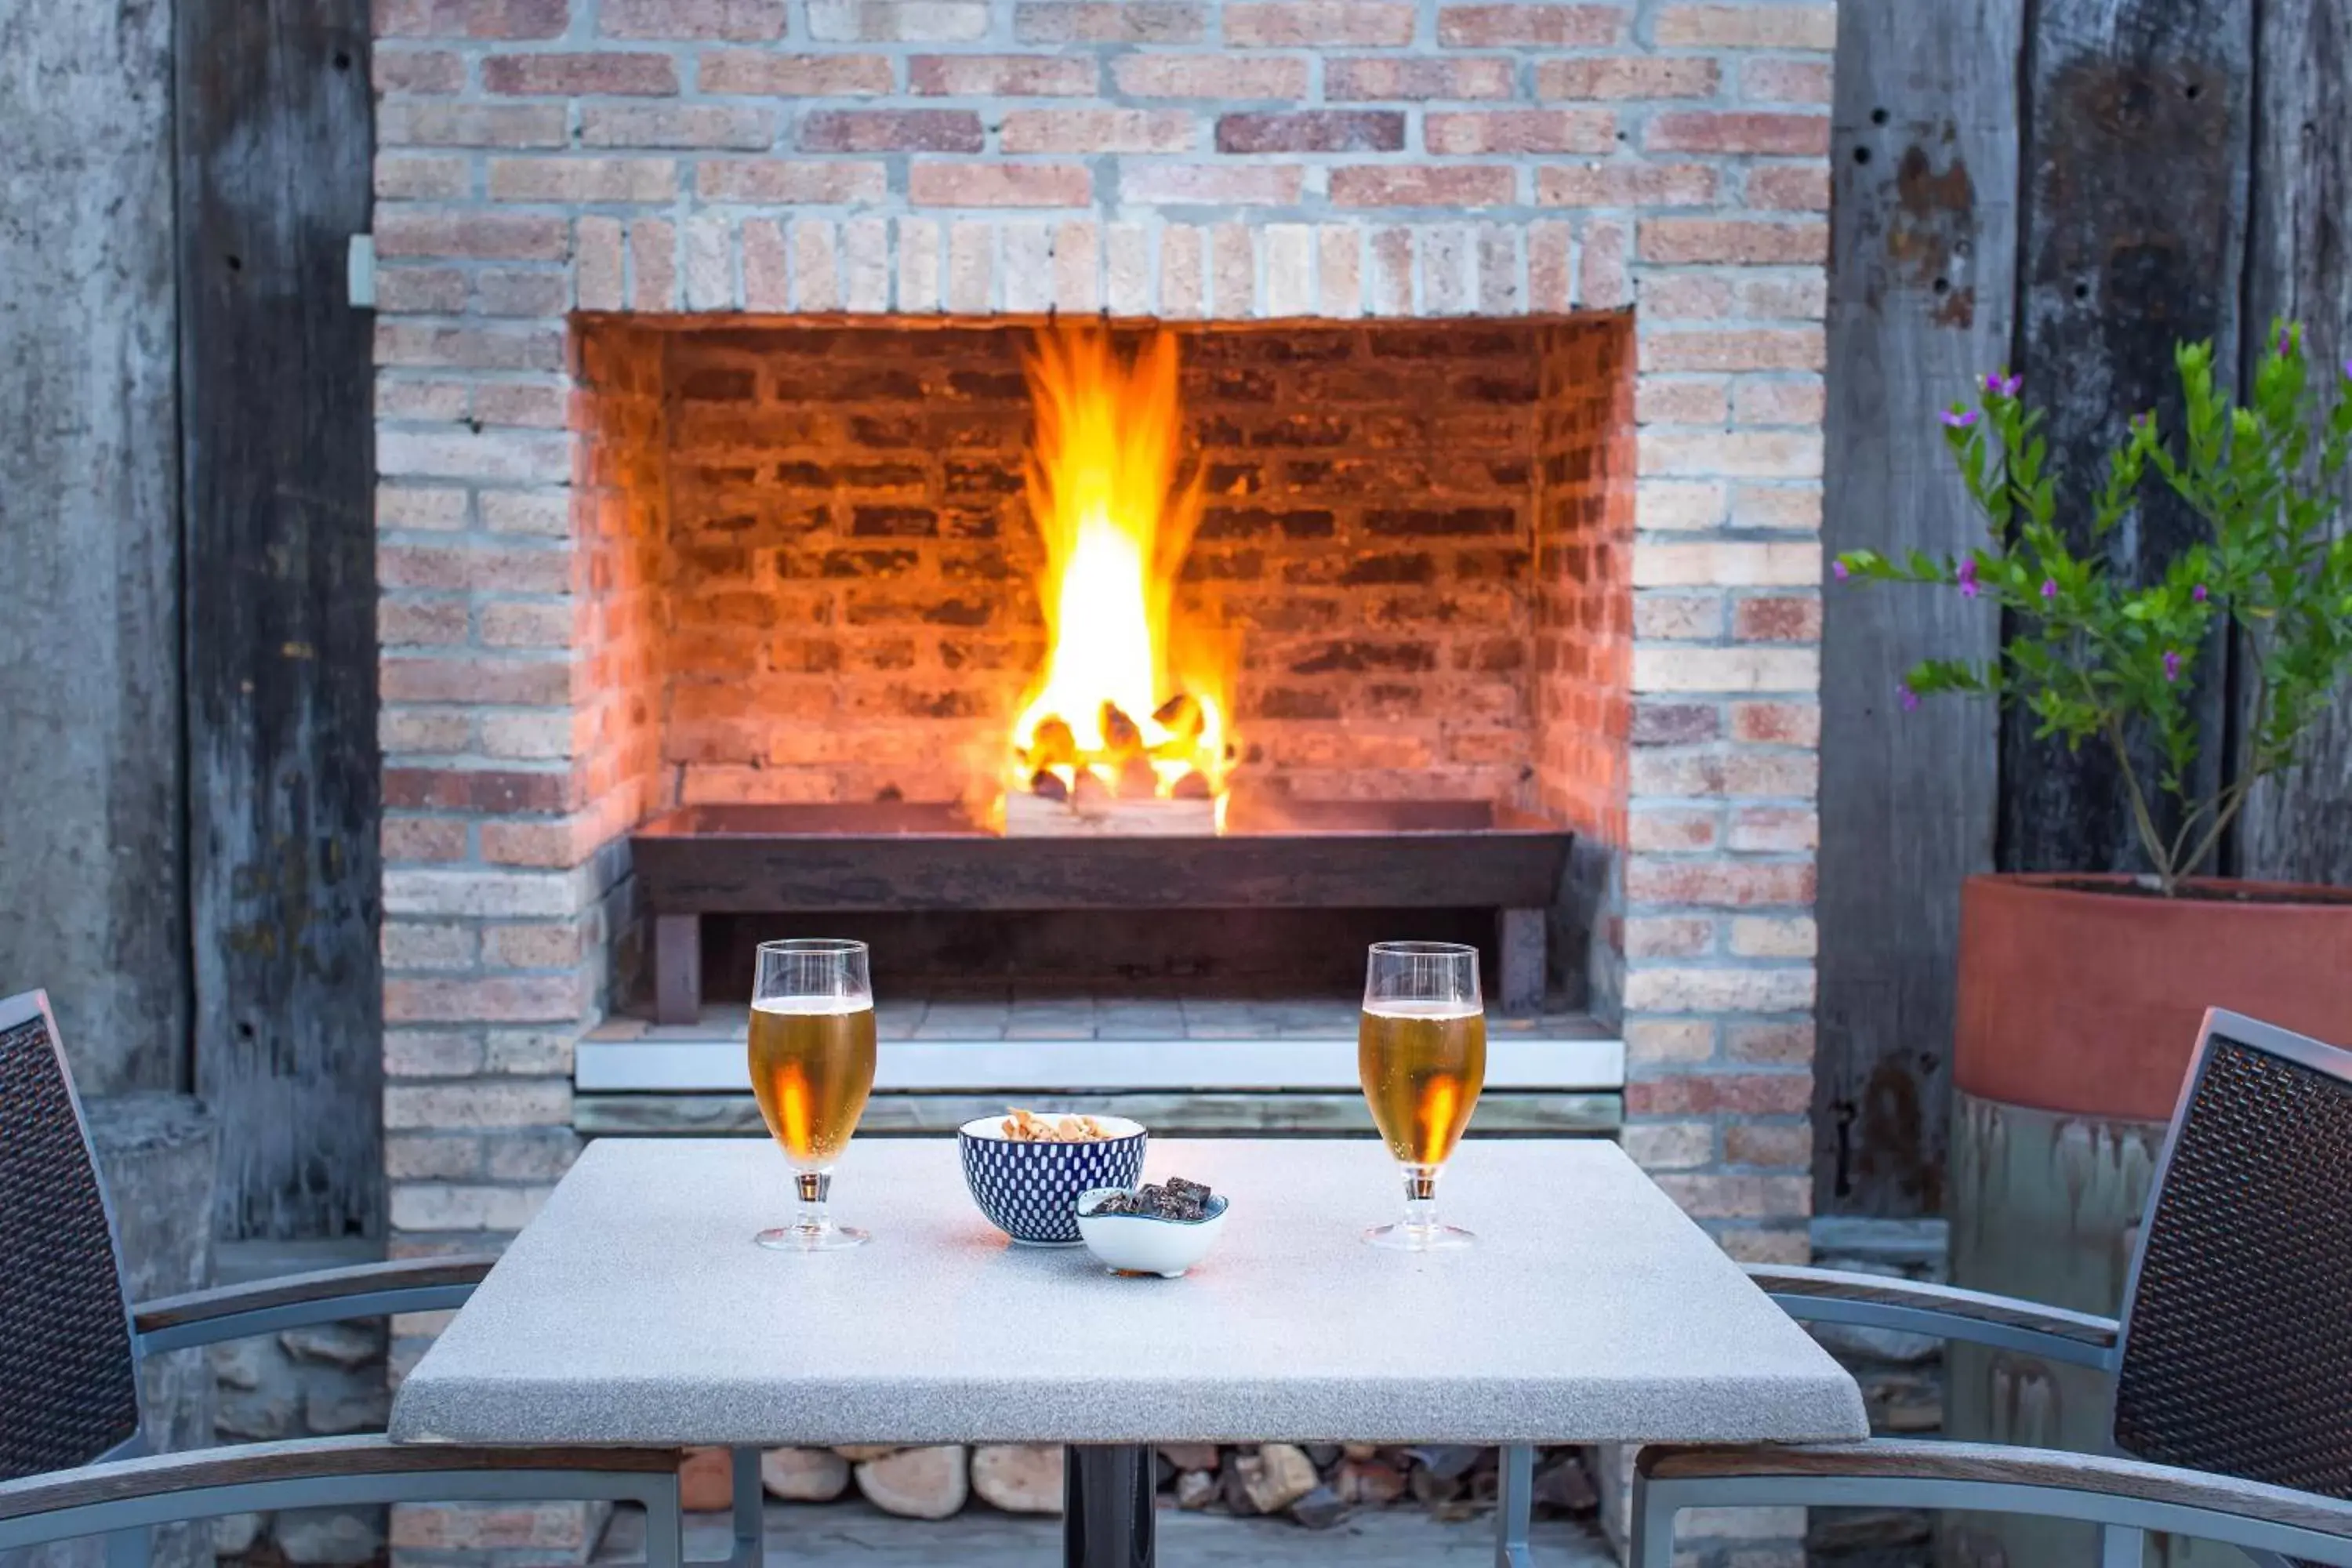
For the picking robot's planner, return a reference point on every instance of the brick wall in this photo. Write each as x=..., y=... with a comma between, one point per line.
x=1183, y=159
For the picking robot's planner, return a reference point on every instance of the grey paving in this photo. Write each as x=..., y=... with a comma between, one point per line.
x=1340, y=1114
x=835, y=1535
x=1001, y=1013
x=635, y=1310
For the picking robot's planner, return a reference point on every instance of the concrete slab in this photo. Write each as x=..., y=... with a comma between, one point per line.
x=635, y=1310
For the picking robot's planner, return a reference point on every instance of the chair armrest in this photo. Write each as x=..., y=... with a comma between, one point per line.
x=295, y=1300
x=2128, y=1493
x=317, y=1472
x=2004, y=1322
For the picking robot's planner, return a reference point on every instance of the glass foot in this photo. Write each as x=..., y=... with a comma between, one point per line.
x=1407, y=1238
x=824, y=1237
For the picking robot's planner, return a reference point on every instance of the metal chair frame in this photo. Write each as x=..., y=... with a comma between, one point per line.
x=2125, y=1498
x=121, y=1493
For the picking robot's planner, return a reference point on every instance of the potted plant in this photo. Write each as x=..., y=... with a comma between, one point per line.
x=2081, y=994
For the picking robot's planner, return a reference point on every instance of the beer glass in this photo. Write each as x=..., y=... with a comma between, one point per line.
x=811, y=1068
x=1421, y=1051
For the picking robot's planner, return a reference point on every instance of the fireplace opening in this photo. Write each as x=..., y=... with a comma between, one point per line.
x=1387, y=592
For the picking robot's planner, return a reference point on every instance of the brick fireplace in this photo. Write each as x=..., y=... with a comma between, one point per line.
x=700, y=417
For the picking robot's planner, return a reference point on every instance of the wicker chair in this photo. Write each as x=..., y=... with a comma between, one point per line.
x=2233, y=1360
x=70, y=1461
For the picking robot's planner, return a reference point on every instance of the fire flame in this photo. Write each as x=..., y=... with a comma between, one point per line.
x=1105, y=489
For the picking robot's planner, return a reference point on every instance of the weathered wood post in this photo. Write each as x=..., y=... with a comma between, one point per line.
x=2299, y=828
x=1922, y=298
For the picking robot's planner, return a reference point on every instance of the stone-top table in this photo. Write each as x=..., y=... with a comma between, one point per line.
x=635, y=1310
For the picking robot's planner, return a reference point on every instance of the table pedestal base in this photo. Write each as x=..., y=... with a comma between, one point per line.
x=1107, y=1493
x=749, y=1549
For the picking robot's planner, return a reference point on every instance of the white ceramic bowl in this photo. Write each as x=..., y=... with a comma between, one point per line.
x=1147, y=1244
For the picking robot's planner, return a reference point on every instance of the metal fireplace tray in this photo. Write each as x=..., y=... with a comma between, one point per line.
x=788, y=859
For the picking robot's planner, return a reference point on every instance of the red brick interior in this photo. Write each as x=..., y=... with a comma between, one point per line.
x=621, y=513
x=1584, y=608
x=814, y=559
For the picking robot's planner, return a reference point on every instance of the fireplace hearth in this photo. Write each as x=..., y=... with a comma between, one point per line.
x=703, y=430
x=983, y=616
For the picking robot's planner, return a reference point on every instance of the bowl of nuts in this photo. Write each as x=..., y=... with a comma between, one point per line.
x=1163, y=1228
x=1025, y=1169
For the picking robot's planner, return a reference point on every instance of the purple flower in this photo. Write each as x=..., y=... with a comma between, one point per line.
x=2171, y=665
x=1959, y=418
x=2000, y=386
x=2198, y=593
x=2050, y=587
x=1910, y=698
x=1840, y=570
x=2348, y=370
x=1968, y=588
x=2286, y=340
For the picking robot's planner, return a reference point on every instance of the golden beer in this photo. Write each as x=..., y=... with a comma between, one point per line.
x=1422, y=1065
x=811, y=1068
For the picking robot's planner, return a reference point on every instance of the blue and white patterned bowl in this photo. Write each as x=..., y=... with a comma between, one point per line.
x=1030, y=1191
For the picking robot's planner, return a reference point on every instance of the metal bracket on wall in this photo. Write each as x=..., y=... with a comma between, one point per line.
x=359, y=268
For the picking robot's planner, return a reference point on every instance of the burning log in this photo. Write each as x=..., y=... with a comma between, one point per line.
x=1182, y=717
x=1121, y=738
x=1155, y=774
x=1137, y=779
x=1053, y=746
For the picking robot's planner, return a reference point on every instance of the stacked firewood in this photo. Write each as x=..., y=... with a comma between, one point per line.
x=1313, y=1484
x=1320, y=1483
x=1053, y=754
x=931, y=1482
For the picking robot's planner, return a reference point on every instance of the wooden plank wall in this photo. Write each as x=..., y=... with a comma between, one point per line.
x=2175, y=169
x=275, y=135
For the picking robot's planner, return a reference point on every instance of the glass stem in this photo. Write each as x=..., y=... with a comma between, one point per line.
x=1421, y=1198
x=815, y=1188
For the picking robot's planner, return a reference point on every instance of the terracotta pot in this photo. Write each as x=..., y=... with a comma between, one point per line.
x=2079, y=996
